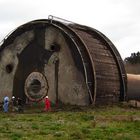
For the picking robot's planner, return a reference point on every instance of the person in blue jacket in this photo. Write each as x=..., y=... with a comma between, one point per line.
x=6, y=103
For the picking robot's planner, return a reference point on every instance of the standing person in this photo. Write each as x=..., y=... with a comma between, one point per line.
x=20, y=105
x=6, y=104
x=47, y=104
x=14, y=104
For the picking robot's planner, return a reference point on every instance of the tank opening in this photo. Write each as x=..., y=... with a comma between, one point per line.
x=9, y=68
x=55, y=47
x=35, y=86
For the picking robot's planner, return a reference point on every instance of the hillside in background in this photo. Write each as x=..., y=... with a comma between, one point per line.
x=132, y=68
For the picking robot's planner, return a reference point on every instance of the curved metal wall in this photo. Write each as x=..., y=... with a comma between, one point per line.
x=104, y=72
x=109, y=68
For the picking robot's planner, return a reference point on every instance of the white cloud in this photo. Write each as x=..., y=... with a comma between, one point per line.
x=118, y=20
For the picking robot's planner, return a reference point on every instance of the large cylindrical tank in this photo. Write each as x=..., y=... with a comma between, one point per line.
x=133, y=87
x=71, y=63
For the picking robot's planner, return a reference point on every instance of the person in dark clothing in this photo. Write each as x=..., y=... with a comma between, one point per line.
x=20, y=105
x=14, y=104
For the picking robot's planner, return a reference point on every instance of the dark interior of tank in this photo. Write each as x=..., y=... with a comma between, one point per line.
x=30, y=60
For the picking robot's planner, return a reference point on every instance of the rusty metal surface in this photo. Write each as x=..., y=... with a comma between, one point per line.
x=133, y=87
x=110, y=72
x=86, y=59
x=104, y=72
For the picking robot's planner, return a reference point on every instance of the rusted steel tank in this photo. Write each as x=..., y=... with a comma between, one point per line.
x=133, y=87
x=71, y=63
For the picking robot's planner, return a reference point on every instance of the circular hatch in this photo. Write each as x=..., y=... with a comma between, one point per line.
x=36, y=86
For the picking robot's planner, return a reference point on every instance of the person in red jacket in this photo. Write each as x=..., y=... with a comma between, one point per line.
x=47, y=104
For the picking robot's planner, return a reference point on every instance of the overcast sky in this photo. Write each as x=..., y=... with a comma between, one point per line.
x=119, y=20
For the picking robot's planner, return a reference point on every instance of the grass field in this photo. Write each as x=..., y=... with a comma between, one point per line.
x=72, y=123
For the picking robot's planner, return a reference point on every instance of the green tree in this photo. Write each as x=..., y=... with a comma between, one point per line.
x=133, y=59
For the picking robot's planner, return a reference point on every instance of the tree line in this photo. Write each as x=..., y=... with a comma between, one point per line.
x=133, y=59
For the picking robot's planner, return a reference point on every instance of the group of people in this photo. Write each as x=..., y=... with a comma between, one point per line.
x=17, y=105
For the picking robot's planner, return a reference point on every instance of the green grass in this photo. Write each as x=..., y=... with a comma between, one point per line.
x=72, y=123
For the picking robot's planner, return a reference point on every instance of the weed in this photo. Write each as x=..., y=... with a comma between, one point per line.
x=16, y=136
x=87, y=117
x=35, y=126
x=103, y=123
